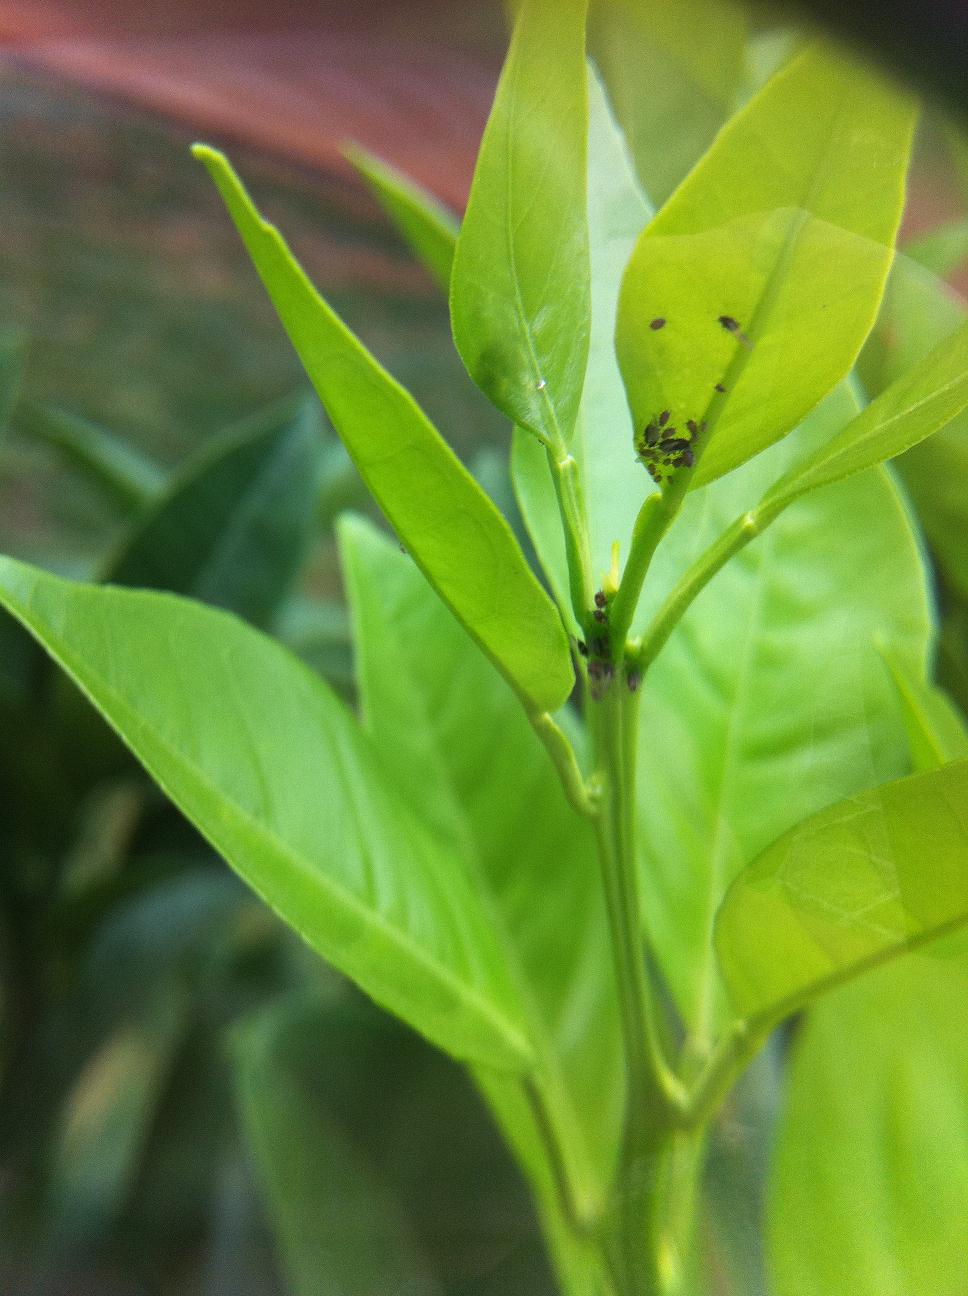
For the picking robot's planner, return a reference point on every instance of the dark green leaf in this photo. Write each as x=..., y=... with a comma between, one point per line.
x=232, y=529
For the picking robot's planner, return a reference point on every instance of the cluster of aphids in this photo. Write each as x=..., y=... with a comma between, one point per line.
x=601, y=670
x=663, y=448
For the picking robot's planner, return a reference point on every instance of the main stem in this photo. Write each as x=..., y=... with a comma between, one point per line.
x=633, y=1223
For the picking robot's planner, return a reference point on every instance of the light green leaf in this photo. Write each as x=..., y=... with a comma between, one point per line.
x=519, y=294
x=784, y=230
x=232, y=528
x=463, y=545
x=261, y=757
x=428, y=227
x=923, y=400
x=936, y=729
x=673, y=69
x=125, y=475
x=919, y=312
x=871, y=1171
x=614, y=484
x=341, y=1231
x=502, y=809
x=769, y=701
x=850, y=888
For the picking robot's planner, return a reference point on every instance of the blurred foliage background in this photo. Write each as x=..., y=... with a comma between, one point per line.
x=165, y=1045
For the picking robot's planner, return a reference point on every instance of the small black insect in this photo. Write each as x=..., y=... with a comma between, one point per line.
x=693, y=427
x=686, y=459
x=720, y=388
x=600, y=616
x=663, y=418
x=672, y=445
x=600, y=599
x=633, y=679
x=652, y=433
x=657, y=323
x=733, y=326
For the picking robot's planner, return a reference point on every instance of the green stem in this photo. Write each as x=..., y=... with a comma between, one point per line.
x=651, y=1096
x=571, y=506
x=580, y=796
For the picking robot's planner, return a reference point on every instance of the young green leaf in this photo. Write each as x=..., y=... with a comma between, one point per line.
x=602, y=444
x=919, y=312
x=461, y=542
x=261, y=757
x=870, y=1176
x=338, y=1227
x=232, y=528
x=502, y=810
x=937, y=732
x=926, y=398
x=851, y=888
x=673, y=69
x=519, y=294
x=429, y=228
x=769, y=262
x=769, y=700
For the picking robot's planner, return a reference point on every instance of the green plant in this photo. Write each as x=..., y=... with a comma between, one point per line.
x=603, y=910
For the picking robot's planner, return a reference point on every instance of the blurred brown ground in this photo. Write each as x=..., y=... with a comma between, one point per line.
x=410, y=80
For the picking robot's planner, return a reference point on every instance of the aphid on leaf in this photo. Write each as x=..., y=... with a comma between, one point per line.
x=657, y=323
x=633, y=679
x=600, y=599
x=733, y=326
x=693, y=427
x=600, y=616
x=652, y=433
x=672, y=445
x=721, y=388
x=686, y=459
x=663, y=418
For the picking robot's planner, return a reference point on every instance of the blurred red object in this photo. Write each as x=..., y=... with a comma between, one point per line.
x=412, y=81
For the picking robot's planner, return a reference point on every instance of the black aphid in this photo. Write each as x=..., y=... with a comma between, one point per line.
x=652, y=433
x=721, y=388
x=657, y=323
x=600, y=616
x=633, y=679
x=686, y=459
x=663, y=418
x=693, y=427
x=672, y=445
x=729, y=324
x=600, y=599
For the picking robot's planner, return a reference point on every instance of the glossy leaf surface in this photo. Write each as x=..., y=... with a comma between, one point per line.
x=463, y=545
x=852, y=887
x=614, y=484
x=261, y=757
x=769, y=262
x=424, y=687
x=520, y=287
x=428, y=227
x=770, y=700
x=871, y=1170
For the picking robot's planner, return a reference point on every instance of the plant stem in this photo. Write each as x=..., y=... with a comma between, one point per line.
x=576, y=789
x=654, y=519
x=650, y=1088
x=571, y=506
